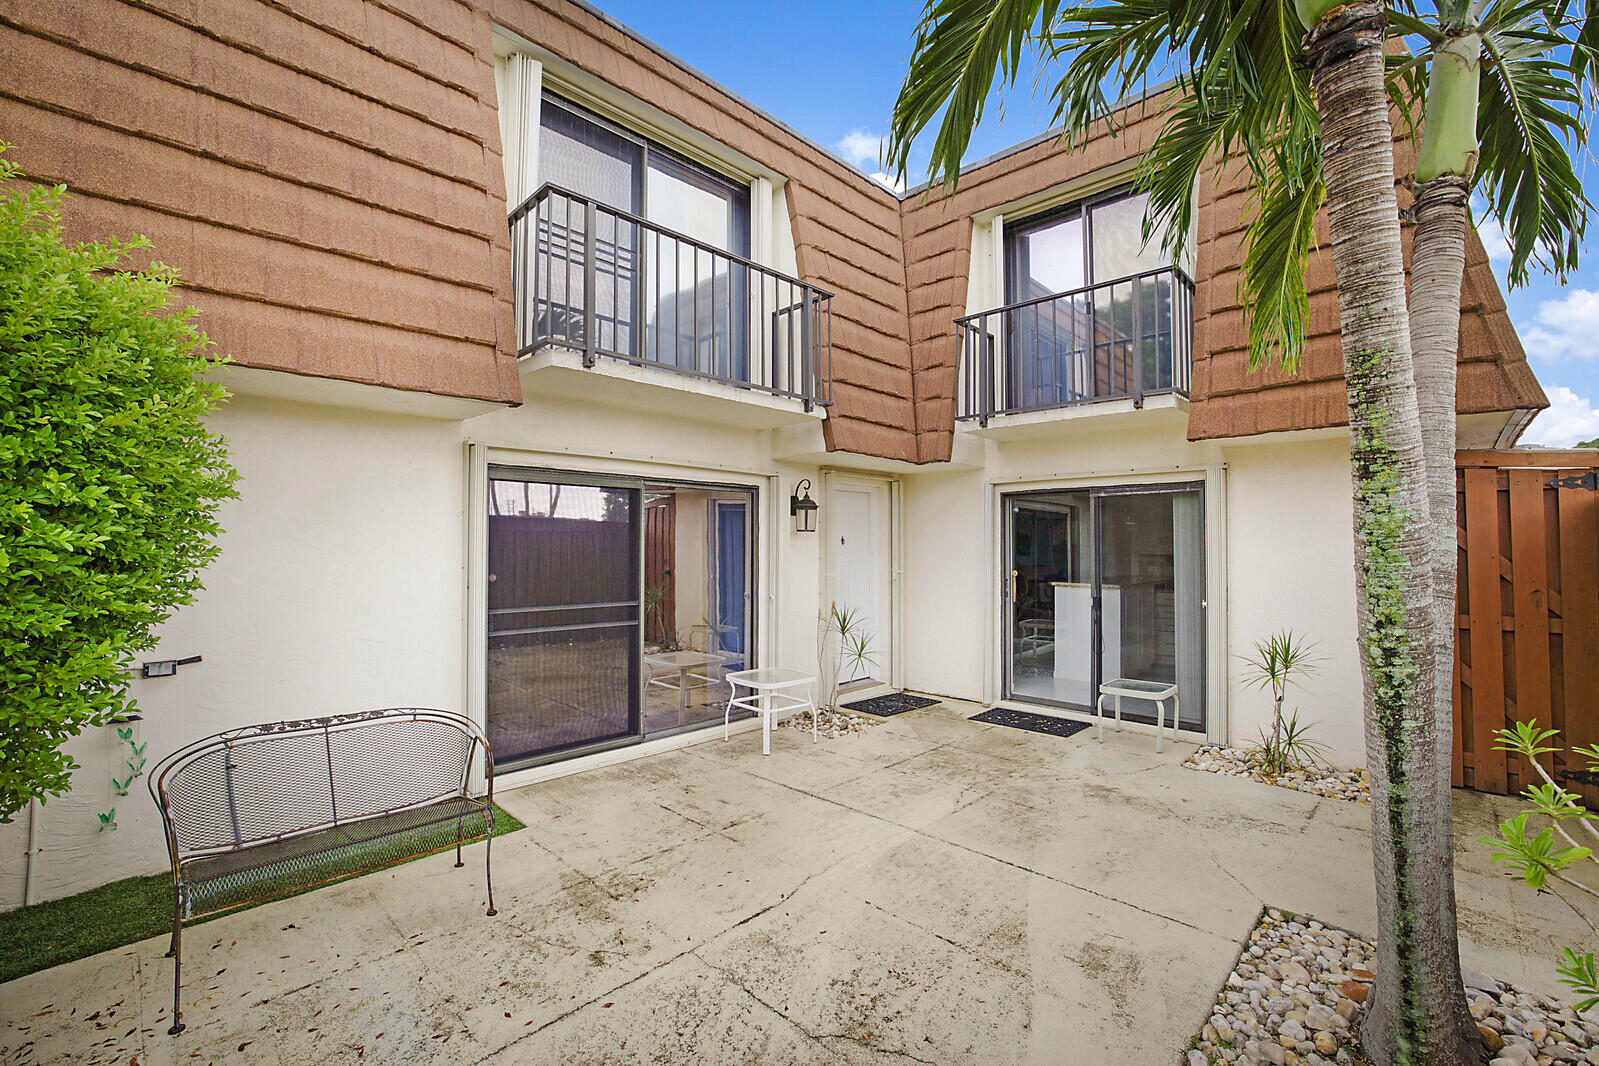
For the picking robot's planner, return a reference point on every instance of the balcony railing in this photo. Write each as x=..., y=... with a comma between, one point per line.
x=603, y=282
x=1122, y=339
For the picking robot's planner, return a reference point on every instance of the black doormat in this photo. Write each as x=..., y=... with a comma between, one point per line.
x=1037, y=723
x=893, y=703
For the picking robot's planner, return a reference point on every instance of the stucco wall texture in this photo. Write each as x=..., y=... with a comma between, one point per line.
x=326, y=176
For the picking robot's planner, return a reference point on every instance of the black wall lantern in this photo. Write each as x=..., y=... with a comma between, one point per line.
x=803, y=508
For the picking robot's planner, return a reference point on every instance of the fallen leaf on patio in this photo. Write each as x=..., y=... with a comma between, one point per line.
x=606, y=1004
x=246, y=1044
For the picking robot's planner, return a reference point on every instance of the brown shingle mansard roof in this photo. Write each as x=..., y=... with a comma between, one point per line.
x=327, y=177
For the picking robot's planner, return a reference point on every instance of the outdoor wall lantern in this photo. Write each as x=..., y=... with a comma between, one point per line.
x=803, y=508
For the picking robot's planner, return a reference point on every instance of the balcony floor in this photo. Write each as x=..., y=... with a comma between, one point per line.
x=1166, y=408
x=559, y=372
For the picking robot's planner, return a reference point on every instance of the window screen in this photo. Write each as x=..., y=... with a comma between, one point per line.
x=588, y=158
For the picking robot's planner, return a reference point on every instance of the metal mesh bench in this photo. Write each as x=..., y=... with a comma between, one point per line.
x=268, y=810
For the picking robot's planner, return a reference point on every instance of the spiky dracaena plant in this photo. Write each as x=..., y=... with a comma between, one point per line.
x=843, y=646
x=1307, y=115
x=1278, y=663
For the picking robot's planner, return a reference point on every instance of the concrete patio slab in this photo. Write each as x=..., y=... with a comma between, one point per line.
x=932, y=890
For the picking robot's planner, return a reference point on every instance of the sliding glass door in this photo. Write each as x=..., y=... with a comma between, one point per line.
x=616, y=608
x=564, y=616
x=1105, y=583
x=661, y=294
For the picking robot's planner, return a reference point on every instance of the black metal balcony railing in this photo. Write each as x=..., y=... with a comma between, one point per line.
x=604, y=282
x=1122, y=339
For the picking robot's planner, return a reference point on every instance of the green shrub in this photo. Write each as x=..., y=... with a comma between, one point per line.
x=1544, y=860
x=109, y=480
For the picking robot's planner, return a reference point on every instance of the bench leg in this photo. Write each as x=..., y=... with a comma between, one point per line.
x=460, y=833
x=176, y=951
x=488, y=866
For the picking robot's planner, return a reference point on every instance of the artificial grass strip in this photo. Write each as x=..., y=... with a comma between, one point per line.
x=125, y=912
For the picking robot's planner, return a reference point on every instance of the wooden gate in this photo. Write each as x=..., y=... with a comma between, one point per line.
x=1528, y=640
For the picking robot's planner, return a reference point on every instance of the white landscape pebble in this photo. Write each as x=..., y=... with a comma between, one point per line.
x=1295, y=999
x=1327, y=781
x=831, y=723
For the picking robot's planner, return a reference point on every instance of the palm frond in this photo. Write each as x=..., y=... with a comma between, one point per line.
x=961, y=46
x=1530, y=127
x=1239, y=95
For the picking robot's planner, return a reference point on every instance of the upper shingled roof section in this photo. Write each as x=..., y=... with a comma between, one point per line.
x=1228, y=400
x=327, y=179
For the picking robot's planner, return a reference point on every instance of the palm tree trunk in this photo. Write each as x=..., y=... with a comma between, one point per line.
x=1412, y=1017
x=1444, y=166
x=1437, y=265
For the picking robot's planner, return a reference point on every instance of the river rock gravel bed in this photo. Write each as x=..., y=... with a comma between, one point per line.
x=831, y=723
x=1297, y=995
x=1329, y=781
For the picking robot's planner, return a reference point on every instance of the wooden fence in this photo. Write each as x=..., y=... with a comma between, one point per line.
x=660, y=561
x=1528, y=640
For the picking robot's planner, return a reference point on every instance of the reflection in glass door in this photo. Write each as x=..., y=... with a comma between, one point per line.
x=1106, y=583
x=1050, y=598
x=563, y=616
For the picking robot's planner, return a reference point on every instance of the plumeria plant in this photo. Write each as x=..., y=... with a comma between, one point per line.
x=1545, y=859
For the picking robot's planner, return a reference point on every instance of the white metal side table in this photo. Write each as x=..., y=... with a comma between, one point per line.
x=771, y=693
x=1157, y=692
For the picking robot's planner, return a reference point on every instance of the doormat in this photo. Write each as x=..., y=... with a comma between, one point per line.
x=1036, y=723
x=893, y=703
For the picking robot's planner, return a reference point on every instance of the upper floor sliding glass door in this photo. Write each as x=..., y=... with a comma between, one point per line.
x=662, y=294
x=1086, y=296
x=697, y=302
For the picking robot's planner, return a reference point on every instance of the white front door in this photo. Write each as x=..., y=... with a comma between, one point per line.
x=860, y=546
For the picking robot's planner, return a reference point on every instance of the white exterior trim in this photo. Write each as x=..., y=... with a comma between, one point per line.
x=474, y=700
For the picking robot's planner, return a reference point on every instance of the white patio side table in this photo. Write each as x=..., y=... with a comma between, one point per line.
x=1158, y=692
x=770, y=694
x=693, y=669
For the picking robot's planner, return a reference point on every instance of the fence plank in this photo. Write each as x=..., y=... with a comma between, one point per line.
x=1487, y=632
x=1530, y=604
x=1579, y=589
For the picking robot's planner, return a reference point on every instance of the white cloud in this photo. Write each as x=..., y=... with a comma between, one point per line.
x=864, y=149
x=1567, y=326
x=893, y=185
x=861, y=147
x=1569, y=419
x=1493, y=240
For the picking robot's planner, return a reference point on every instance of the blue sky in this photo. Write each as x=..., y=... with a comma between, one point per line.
x=837, y=68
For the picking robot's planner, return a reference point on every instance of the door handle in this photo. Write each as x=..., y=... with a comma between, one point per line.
x=1013, y=575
